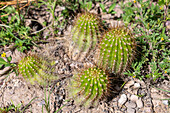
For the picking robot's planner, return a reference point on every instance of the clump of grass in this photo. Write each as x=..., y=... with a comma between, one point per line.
x=148, y=24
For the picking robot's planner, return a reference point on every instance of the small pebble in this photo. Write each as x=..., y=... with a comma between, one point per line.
x=134, y=98
x=147, y=110
x=128, y=84
x=139, y=103
x=123, y=109
x=165, y=102
x=61, y=98
x=130, y=105
x=168, y=24
x=41, y=103
x=130, y=110
x=123, y=99
x=153, y=90
x=5, y=70
x=136, y=85
x=56, y=61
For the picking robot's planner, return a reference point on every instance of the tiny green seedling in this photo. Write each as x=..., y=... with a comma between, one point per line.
x=110, y=11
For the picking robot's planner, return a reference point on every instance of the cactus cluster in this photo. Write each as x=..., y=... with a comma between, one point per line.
x=89, y=86
x=85, y=35
x=35, y=69
x=114, y=55
x=116, y=50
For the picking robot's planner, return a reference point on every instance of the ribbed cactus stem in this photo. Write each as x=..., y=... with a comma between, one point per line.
x=85, y=34
x=117, y=50
x=89, y=86
x=34, y=69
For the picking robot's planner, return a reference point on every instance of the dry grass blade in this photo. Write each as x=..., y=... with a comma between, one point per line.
x=13, y=2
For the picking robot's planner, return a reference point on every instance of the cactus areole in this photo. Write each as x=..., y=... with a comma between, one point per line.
x=89, y=86
x=117, y=50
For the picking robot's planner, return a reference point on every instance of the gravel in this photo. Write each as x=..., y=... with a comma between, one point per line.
x=134, y=98
x=122, y=100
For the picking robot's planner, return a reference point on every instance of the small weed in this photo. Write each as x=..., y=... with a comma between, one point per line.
x=14, y=30
x=16, y=108
x=148, y=24
x=110, y=11
x=47, y=101
x=8, y=63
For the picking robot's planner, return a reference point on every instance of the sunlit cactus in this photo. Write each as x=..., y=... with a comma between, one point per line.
x=35, y=69
x=89, y=86
x=85, y=35
x=117, y=50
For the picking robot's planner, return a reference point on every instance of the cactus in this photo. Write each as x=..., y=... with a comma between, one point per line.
x=89, y=86
x=35, y=68
x=117, y=50
x=85, y=34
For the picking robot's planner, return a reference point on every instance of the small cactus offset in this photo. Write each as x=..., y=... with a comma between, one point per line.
x=89, y=86
x=85, y=34
x=36, y=69
x=117, y=50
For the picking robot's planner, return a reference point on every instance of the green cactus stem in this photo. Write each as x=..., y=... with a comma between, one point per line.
x=34, y=68
x=89, y=87
x=117, y=50
x=85, y=35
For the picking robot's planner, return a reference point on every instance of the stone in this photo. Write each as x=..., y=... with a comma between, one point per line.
x=142, y=83
x=5, y=70
x=130, y=105
x=130, y=110
x=123, y=109
x=147, y=110
x=136, y=86
x=41, y=103
x=122, y=100
x=167, y=24
x=153, y=90
x=139, y=103
x=135, y=91
x=157, y=96
x=128, y=95
x=165, y=102
x=128, y=84
x=156, y=102
x=134, y=98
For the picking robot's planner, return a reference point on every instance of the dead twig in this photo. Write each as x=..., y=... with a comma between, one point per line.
x=14, y=2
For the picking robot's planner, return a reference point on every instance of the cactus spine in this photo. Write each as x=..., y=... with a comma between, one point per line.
x=85, y=34
x=34, y=69
x=117, y=50
x=89, y=86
